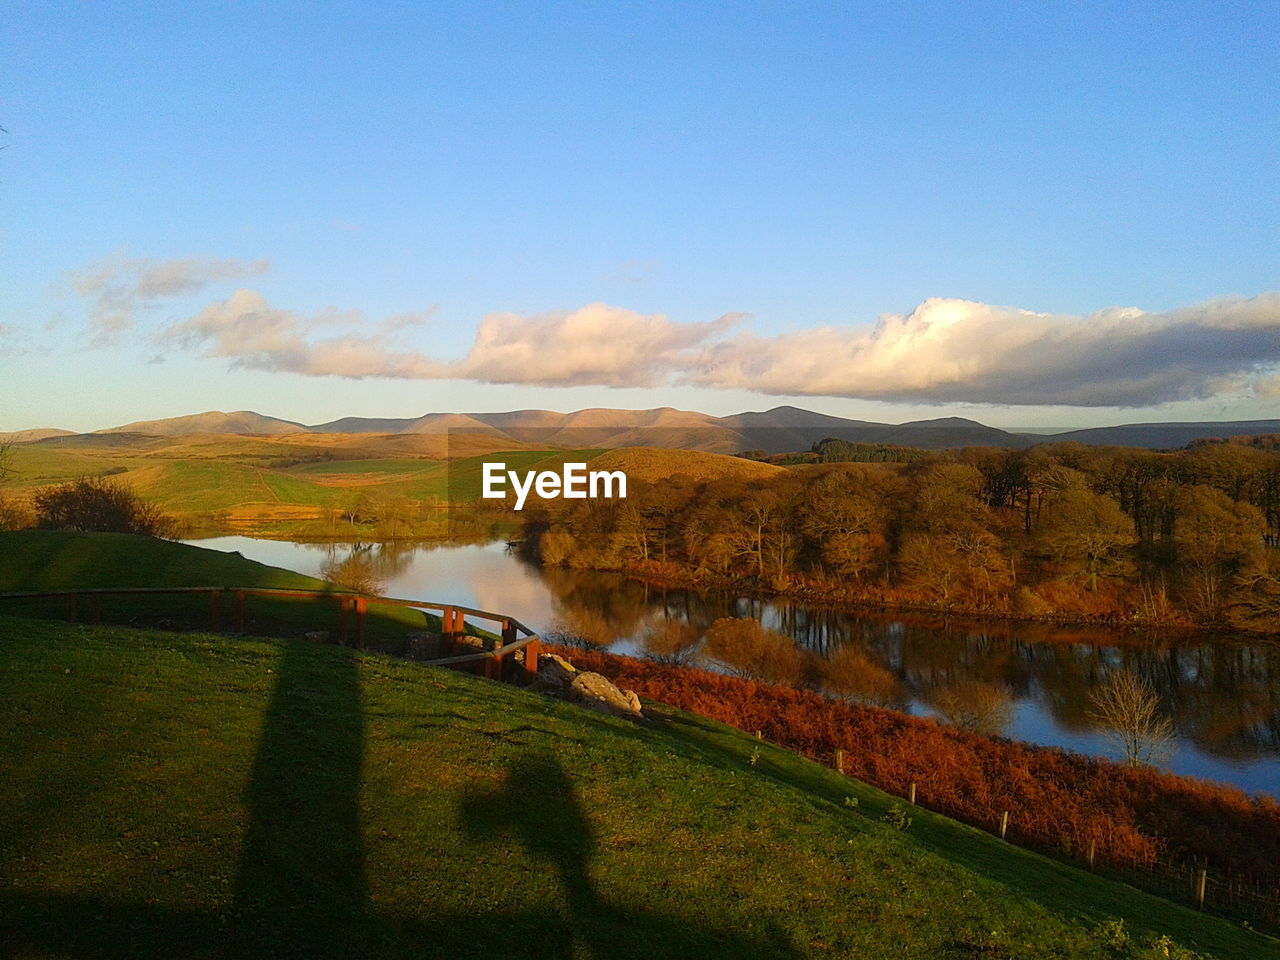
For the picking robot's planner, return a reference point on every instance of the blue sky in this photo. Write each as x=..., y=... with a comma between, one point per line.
x=317, y=210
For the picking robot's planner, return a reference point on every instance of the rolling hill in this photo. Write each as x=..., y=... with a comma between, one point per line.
x=780, y=430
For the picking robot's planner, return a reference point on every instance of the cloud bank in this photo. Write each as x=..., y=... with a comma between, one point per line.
x=943, y=351
x=959, y=350
x=595, y=345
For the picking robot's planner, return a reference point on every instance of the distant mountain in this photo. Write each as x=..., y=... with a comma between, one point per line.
x=363, y=425
x=243, y=422
x=30, y=436
x=780, y=430
x=955, y=432
x=1164, y=436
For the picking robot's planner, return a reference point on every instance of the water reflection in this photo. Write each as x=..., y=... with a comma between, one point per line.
x=1026, y=681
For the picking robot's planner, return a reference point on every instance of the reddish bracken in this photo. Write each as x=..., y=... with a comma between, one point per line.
x=1057, y=799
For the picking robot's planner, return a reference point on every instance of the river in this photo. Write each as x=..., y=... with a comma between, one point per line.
x=1027, y=682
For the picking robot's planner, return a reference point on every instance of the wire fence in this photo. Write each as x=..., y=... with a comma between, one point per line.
x=1243, y=899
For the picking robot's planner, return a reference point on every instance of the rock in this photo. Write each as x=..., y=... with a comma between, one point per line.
x=597, y=693
x=317, y=636
x=555, y=673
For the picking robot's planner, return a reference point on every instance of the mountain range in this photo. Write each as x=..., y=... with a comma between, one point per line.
x=779, y=430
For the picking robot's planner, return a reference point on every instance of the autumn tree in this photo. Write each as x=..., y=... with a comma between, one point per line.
x=673, y=642
x=748, y=648
x=949, y=548
x=1217, y=539
x=850, y=674
x=848, y=523
x=975, y=705
x=1086, y=530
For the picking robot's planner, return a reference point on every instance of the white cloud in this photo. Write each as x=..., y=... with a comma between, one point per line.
x=959, y=350
x=943, y=351
x=119, y=286
x=595, y=345
x=250, y=332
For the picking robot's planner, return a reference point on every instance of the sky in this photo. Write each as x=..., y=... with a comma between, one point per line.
x=1034, y=215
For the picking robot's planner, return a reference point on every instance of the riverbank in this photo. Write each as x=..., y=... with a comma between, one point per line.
x=863, y=600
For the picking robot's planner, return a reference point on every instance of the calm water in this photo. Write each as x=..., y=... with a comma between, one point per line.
x=1028, y=682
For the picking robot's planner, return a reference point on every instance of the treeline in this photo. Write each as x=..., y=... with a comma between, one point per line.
x=1058, y=530
x=1060, y=801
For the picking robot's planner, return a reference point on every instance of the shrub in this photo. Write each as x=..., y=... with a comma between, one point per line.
x=96, y=504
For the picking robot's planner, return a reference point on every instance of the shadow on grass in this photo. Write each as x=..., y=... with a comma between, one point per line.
x=301, y=888
x=536, y=805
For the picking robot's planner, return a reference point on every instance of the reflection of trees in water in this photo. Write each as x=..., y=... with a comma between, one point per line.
x=384, y=560
x=1221, y=694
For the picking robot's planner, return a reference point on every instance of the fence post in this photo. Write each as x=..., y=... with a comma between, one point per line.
x=840, y=762
x=1004, y=824
x=239, y=611
x=1201, y=878
x=360, y=611
x=1093, y=849
x=215, y=608
x=342, y=620
x=911, y=794
x=446, y=632
x=531, y=660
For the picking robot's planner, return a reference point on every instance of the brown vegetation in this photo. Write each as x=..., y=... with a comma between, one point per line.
x=1057, y=800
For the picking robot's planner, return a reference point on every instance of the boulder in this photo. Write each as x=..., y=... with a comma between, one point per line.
x=555, y=673
x=597, y=693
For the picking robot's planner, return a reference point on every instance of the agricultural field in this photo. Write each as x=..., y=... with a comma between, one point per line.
x=303, y=486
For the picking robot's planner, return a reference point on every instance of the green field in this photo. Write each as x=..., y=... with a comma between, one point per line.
x=270, y=486
x=204, y=796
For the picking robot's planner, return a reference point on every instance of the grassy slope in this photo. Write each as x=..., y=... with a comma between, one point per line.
x=57, y=560
x=216, y=797
x=32, y=560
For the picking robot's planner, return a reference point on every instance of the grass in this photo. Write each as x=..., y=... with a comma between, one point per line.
x=287, y=485
x=35, y=560
x=201, y=796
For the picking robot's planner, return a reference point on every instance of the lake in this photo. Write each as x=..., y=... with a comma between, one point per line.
x=1025, y=681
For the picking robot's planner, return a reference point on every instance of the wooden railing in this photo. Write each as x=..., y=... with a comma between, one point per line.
x=352, y=613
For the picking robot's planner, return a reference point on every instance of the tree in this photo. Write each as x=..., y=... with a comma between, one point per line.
x=99, y=505
x=1128, y=710
x=1216, y=538
x=976, y=705
x=749, y=649
x=1088, y=530
x=673, y=642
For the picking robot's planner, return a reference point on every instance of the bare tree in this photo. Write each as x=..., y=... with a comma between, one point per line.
x=1128, y=710
x=976, y=706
